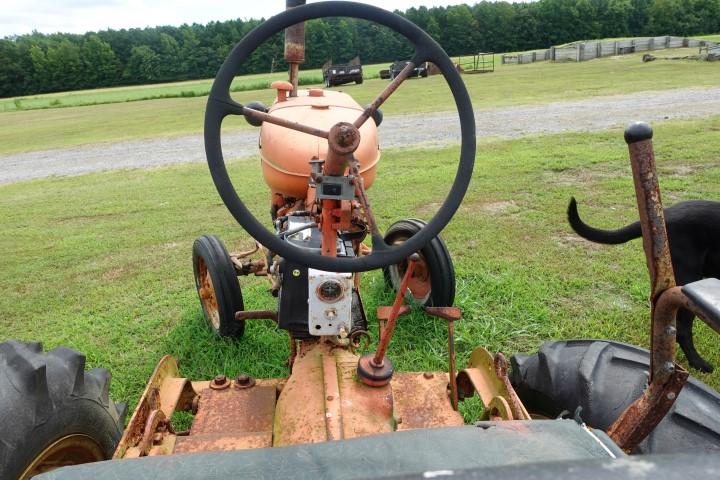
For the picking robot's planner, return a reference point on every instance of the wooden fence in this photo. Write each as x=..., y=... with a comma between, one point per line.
x=582, y=51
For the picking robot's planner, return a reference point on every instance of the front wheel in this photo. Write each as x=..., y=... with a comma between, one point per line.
x=52, y=411
x=217, y=286
x=433, y=280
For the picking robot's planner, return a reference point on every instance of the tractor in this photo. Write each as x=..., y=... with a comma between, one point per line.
x=576, y=408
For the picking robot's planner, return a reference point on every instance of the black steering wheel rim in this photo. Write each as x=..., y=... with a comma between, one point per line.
x=220, y=105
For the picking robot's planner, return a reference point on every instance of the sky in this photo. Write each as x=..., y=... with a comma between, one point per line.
x=18, y=17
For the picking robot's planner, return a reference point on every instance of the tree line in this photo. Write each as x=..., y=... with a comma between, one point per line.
x=39, y=63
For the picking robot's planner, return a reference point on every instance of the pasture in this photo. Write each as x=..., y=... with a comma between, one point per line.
x=101, y=262
x=537, y=83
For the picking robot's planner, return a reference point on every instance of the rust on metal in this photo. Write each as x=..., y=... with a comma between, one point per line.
x=156, y=419
x=451, y=365
x=643, y=415
x=333, y=412
x=232, y=419
x=361, y=194
x=165, y=391
x=300, y=410
x=516, y=406
x=422, y=402
x=207, y=294
x=652, y=217
x=244, y=381
x=447, y=313
x=220, y=382
x=392, y=318
x=243, y=315
x=294, y=46
x=666, y=378
x=385, y=94
x=487, y=375
x=383, y=313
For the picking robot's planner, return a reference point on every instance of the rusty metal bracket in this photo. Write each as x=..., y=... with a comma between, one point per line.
x=164, y=393
x=450, y=314
x=487, y=375
x=666, y=378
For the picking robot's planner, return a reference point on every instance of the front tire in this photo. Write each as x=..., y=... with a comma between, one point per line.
x=52, y=412
x=217, y=286
x=604, y=378
x=433, y=281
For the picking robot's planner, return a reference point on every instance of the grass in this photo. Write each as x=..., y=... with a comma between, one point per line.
x=510, y=85
x=101, y=262
x=185, y=89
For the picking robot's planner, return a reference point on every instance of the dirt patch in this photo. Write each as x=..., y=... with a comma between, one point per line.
x=571, y=239
x=684, y=170
x=582, y=176
x=499, y=207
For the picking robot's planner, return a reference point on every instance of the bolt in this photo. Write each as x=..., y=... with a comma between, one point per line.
x=670, y=330
x=330, y=398
x=243, y=379
x=398, y=420
x=220, y=379
x=671, y=396
x=669, y=367
x=157, y=438
x=428, y=375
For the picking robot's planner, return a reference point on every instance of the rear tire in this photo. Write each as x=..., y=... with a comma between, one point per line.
x=217, y=286
x=52, y=412
x=604, y=378
x=433, y=282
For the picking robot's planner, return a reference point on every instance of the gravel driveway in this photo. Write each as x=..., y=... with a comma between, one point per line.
x=434, y=129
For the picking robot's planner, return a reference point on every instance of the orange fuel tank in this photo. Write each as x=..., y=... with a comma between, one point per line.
x=285, y=154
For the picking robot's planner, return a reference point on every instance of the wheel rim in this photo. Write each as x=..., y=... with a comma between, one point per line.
x=207, y=294
x=72, y=449
x=420, y=284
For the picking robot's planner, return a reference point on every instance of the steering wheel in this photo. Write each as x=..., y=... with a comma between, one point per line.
x=220, y=105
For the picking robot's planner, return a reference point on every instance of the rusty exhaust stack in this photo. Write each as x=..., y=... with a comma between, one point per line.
x=294, y=46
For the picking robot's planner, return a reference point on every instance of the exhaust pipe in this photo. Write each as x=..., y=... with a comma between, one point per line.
x=294, y=46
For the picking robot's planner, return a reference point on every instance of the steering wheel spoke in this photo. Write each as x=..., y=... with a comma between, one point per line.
x=389, y=89
x=226, y=106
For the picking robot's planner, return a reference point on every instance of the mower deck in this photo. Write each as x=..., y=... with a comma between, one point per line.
x=246, y=413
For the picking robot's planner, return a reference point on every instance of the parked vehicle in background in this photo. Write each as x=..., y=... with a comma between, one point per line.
x=342, y=73
x=397, y=66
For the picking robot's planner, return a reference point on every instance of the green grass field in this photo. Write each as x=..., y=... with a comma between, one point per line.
x=541, y=82
x=190, y=88
x=101, y=262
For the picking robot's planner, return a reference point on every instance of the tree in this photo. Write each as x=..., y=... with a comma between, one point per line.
x=463, y=30
x=143, y=65
x=100, y=64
